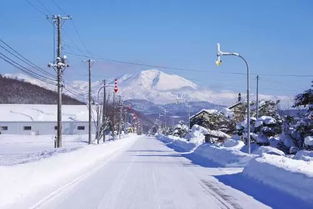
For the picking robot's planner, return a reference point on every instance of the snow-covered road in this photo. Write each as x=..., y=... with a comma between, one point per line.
x=150, y=175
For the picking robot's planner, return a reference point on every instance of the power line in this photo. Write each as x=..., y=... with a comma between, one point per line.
x=185, y=69
x=36, y=8
x=58, y=6
x=75, y=29
x=44, y=7
x=22, y=58
x=23, y=69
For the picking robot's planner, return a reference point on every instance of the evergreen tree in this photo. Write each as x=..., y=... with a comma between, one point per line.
x=298, y=128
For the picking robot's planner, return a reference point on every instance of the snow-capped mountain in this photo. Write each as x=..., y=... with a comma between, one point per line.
x=152, y=85
x=155, y=86
x=162, y=88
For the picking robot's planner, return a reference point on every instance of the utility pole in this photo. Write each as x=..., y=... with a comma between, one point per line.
x=115, y=90
x=113, y=117
x=120, y=116
x=257, y=96
x=59, y=66
x=89, y=61
x=104, y=110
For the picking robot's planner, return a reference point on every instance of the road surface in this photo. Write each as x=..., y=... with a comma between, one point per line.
x=150, y=175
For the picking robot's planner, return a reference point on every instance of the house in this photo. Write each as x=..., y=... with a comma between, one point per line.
x=211, y=119
x=199, y=117
x=41, y=119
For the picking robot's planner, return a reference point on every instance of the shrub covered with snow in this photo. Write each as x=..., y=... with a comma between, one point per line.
x=266, y=127
x=308, y=142
x=180, y=129
x=197, y=134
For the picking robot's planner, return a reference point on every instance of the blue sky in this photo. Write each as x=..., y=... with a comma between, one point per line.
x=275, y=36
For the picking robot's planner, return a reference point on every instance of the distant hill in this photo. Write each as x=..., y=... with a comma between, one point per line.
x=13, y=91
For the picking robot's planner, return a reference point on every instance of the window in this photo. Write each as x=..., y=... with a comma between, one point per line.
x=81, y=128
x=27, y=128
x=4, y=128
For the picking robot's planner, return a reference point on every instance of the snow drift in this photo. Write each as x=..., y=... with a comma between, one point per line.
x=226, y=156
x=292, y=176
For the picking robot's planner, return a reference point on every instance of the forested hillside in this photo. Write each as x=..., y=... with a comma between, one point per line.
x=14, y=91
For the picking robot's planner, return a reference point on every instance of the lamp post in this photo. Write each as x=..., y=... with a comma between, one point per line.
x=218, y=63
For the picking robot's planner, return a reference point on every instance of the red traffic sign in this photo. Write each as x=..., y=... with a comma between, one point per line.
x=115, y=86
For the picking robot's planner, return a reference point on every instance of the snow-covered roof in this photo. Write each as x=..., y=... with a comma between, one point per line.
x=209, y=111
x=234, y=105
x=225, y=111
x=35, y=112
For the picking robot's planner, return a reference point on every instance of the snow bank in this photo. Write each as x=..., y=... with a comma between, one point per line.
x=304, y=155
x=226, y=156
x=268, y=150
x=234, y=143
x=41, y=177
x=292, y=176
x=178, y=142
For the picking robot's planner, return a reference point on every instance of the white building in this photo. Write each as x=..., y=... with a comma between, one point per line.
x=41, y=119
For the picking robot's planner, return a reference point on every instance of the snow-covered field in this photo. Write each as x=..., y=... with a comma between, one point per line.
x=18, y=149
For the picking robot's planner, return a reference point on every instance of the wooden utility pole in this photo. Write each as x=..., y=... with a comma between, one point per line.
x=89, y=61
x=59, y=66
x=104, y=110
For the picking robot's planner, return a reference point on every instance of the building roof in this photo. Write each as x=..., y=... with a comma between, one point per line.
x=234, y=105
x=47, y=113
x=209, y=111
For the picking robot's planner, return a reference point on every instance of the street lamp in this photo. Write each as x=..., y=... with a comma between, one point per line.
x=218, y=63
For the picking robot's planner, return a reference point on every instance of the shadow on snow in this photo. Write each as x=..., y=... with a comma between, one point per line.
x=266, y=194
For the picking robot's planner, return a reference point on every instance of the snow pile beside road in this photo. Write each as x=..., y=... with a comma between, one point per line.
x=41, y=177
x=289, y=175
x=304, y=155
x=268, y=150
x=229, y=155
x=180, y=143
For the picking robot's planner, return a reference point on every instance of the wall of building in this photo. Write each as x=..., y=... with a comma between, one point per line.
x=44, y=128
